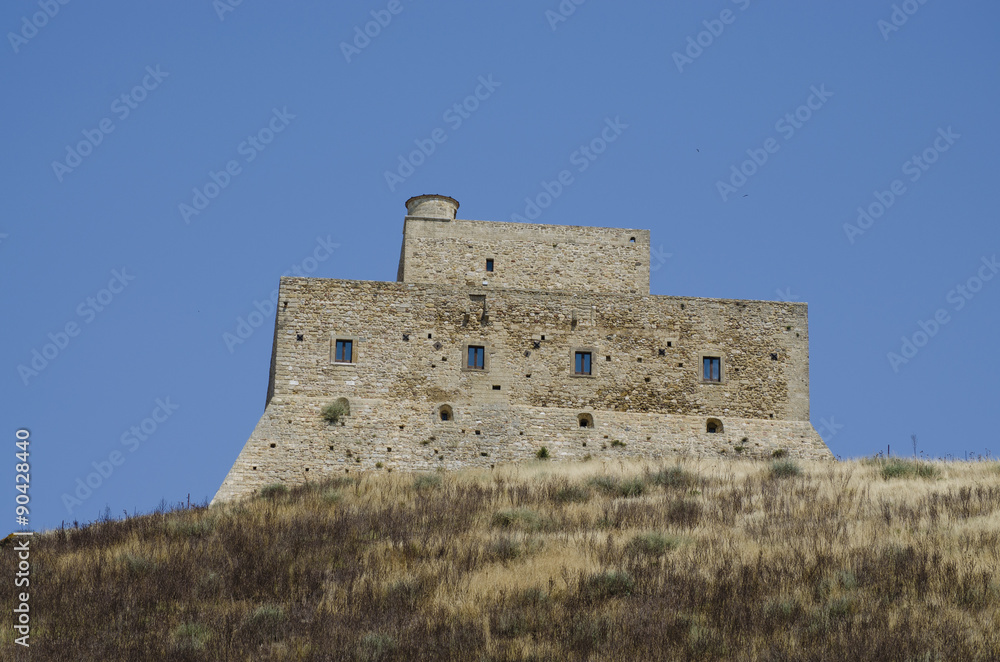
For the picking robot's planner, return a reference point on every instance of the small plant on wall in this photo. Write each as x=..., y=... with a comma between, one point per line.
x=333, y=412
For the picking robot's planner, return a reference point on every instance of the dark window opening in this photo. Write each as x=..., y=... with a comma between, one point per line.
x=711, y=369
x=631, y=240
x=582, y=366
x=406, y=337
x=298, y=337
x=663, y=352
x=344, y=352
x=536, y=344
x=607, y=358
x=496, y=387
x=476, y=359
x=669, y=344
x=428, y=336
x=543, y=337
x=774, y=357
x=713, y=426
x=585, y=420
x=489, y=265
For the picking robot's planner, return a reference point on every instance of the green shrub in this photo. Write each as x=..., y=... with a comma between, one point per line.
x=570, y=494
x=900, y=468
x=785, y=469
x=674, y=477
x=543, y=453
x=606, y=484
x=189, y=638
x=336, y=410
x=273, y=491
x=609, y=584
x=504, y=549
x=426, y=482
x=632, y=487
x=517, y=518
x=189, y=528
x=779, y=453
x=614, y=486
x=374, y=647
x=654, y=543
x=265, y=623
x=618, y=442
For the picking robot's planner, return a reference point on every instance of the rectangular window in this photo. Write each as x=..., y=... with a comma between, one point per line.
x=344, y=352
x=711, y=366
x=476, y=358
x=582, y=363
x=489, y=265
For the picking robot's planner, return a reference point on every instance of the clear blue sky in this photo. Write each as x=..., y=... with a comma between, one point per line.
x=95, y=238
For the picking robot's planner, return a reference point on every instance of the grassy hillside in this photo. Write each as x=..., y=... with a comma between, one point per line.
x=698, y=560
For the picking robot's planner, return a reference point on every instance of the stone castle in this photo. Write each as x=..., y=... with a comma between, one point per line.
x=499, y=339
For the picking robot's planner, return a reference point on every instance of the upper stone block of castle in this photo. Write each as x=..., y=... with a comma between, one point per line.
x=440, y=249
x=500, y=338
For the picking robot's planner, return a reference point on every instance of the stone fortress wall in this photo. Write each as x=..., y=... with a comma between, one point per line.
x=645, y=396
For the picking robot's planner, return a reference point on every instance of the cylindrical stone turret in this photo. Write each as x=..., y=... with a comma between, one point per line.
x=432, y=206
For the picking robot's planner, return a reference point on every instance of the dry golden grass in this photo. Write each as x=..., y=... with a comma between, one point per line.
x=698, y=559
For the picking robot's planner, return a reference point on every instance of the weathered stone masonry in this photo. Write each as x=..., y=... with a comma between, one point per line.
x=645, y=396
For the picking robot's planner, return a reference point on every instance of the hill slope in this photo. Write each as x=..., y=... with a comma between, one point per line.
x=733, y=560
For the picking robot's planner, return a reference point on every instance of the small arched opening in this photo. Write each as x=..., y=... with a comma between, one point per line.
x=713, y=426
x=585, y=420
x=445, y=413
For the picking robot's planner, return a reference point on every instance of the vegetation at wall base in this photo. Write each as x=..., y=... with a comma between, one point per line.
x=604, y=560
